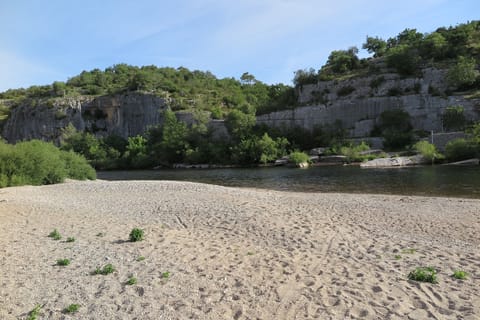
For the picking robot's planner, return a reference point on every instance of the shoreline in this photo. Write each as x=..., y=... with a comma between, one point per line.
x=237, y=253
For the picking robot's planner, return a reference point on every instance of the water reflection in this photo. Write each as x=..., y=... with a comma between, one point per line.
x=428, y=180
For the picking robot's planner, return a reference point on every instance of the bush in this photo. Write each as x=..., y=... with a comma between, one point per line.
x=36, y=162
x=298, y=157
x=427, y=274
x=136, y=235
x=427, y=150
x=459, y=274
x=460, y=149
x=107, y=269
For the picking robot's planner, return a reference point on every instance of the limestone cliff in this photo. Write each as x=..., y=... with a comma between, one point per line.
x=358, y=102
x=124, y=115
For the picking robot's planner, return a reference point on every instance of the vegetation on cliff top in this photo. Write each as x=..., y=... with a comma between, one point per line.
x=456, y=48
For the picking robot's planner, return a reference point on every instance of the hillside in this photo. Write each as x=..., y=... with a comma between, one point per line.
x=414, y=83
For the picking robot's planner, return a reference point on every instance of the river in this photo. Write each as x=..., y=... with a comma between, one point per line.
x=453, y=181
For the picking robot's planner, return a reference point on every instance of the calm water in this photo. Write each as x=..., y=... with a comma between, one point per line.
x=428, y=180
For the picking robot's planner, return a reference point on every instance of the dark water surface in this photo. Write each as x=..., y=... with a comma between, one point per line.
x=427, y=181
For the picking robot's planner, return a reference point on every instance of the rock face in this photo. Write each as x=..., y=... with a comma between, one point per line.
x=124, y=115
x=358, y=103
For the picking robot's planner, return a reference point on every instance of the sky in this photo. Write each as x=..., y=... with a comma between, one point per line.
x=42, y=41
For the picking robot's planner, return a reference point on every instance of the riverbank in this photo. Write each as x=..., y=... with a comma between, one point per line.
x=213, y=252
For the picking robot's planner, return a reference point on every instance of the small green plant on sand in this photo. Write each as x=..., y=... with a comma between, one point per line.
x=423, y=274
x=141, y=258
x=70, y=239
x=55, y=235
x=250, y=253
x=459, y=274
x=132, y=281
x=165, y=275
x=63, y=262
x=409, y=251
x=136, y=235
x=71, y=308
x=32, y=315
x=397, y=257
x=107, y=269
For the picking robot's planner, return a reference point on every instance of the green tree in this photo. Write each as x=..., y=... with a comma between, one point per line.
x=305, y=76
x=376, y=45
x=342, y=61
x=59, y=88
x=454, y=118
x=403, y=58
x=434, y=45
x=463, y=74
x=396, y=129
x=239, y=123
x=173, y=144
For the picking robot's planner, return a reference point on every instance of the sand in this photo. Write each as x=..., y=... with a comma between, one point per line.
x=234, y=253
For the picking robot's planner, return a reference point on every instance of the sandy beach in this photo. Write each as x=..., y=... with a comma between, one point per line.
x=213, y=252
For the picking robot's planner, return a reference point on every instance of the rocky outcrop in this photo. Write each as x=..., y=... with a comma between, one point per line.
x=124, y=115
x=394, y=162
x=358, y=103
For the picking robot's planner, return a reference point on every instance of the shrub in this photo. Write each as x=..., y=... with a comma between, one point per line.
x=463, y=74
x=55, y=235
x=353, y=153
x=36, y=162
x=426, y=274
x=298, y=157
x=71, y=308
x=136, y=235
x=32, y=315
x=77, y=166
x=460, y=149
x=63, y=262
x=459, y=274
x=454, y=118
x=395, y=128
x=427, y=150
x=107, y=269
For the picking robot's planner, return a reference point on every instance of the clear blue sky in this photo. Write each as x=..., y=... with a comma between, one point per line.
x=48, y=40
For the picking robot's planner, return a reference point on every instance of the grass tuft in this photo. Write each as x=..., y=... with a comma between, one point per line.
x=63, y=262
x=141, y=258
x=165, y=275
x=71, y=308
x=107, y=269
x=55, y=235
x=409, y=251
x=459, y=274
x=132, y=281
x=423, y=274
x=32, y=315
x=136, y=235
x=397, y=257
x=70, y=239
